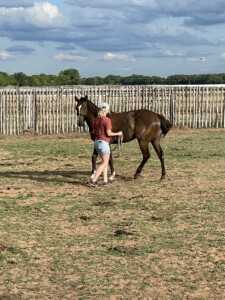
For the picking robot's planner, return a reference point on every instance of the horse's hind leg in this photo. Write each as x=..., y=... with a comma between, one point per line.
x=159, y=152
x=145, y=153
x=112, y=170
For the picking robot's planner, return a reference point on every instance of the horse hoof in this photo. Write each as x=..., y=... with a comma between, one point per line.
x=163, y=177
x=136, y=175
x=112, y=176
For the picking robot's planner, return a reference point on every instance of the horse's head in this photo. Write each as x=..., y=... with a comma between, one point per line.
x=82, y=110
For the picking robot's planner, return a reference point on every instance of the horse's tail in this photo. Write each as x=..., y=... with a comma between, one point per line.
x=166, y=125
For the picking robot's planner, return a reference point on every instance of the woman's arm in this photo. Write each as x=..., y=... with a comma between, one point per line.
x=110, y=133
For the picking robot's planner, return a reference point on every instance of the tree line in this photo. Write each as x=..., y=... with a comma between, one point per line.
x=72, y=77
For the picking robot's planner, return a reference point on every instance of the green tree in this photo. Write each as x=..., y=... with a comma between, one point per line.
x=21, y=79
x=5, y=79
x=72, y=75
x=62, y=80
x=92, y=81
x=112, y=79
x=34, y=80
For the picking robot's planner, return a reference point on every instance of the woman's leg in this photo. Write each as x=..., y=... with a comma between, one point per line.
x=102, y=168
x=105, y=171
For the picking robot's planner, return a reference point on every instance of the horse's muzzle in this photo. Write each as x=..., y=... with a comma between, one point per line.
x=80, y=121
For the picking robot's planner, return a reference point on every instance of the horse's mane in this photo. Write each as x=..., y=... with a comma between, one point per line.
x=92, y=107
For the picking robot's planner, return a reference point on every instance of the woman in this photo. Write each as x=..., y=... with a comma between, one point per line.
x=103, y=132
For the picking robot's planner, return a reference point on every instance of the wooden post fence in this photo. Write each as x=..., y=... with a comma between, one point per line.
x=51, y=110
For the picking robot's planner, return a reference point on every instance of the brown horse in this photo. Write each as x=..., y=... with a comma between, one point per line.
x=144, y=125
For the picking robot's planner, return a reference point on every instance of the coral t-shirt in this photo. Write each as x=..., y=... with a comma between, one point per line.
x=101, y=126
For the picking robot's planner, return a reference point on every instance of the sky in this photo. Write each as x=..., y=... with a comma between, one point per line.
x=119, y=37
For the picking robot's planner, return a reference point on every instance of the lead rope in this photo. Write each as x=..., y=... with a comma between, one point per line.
x=119, y=145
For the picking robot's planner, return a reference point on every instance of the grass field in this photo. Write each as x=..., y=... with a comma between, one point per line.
x=138, y=239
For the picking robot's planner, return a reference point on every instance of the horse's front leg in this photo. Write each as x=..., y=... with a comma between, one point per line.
x=93, y=160
x=112, y=170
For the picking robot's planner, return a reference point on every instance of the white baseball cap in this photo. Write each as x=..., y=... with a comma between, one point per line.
x=104, y=105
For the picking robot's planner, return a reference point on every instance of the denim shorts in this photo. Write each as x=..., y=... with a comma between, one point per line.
x=102, y=147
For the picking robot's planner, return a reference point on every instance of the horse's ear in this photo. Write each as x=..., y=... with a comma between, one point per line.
x=86, y=98
x=76, y=98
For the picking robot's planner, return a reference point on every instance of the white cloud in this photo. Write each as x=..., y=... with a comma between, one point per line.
x=4, y=55
x=68, y=57
x=114, y=56
x=44, y=14
x=40, y=15
x=170, y=53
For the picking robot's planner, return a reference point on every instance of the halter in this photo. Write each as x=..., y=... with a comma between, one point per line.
x=82, y=115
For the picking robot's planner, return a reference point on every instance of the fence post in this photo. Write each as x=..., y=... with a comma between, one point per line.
x=223, y=122
x=172, y=108
x=35, y=111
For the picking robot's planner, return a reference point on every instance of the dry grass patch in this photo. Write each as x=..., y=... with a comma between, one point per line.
x=138, y=239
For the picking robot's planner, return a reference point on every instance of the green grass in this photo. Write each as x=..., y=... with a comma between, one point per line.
x=139, y=239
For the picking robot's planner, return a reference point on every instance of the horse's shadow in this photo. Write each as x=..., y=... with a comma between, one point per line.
x=58, y=176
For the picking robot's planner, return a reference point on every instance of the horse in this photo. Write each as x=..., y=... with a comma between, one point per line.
x=144, y=125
